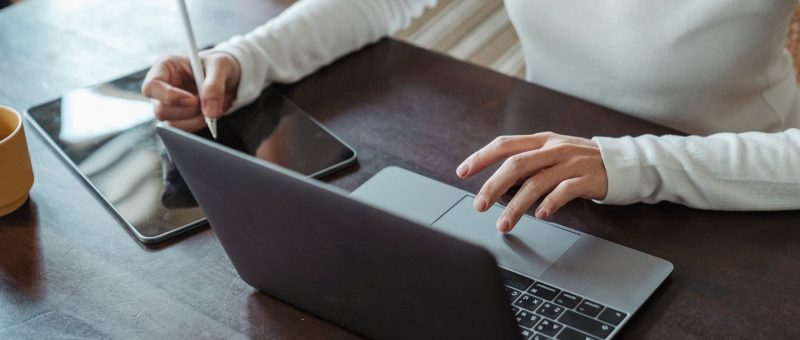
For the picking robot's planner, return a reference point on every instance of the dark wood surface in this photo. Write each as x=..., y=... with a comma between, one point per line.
x=68, y=269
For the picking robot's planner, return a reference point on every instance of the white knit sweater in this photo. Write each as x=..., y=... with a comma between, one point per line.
x=701, y=67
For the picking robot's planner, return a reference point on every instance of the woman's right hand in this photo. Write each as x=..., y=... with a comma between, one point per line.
x=171, y=86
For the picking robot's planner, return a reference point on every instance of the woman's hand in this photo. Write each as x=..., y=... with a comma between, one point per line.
x=557, y=167
x=171, y=85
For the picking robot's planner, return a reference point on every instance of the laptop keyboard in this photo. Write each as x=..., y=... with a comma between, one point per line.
x=546, y=312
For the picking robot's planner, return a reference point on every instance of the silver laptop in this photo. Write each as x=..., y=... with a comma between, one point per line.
x=405, y=256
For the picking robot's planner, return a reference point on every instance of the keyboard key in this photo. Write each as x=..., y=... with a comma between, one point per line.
x=548, y=327
x=539, y=337
x=571, y=334
x=550, y=310
x=515, y=310
x=544, y=291
x=585, y=324
x=612, y=316
x=515, y=280
x=567, y=300
x=528, y=302
x=590, y=308
x=526, y=333
x=527, y=319
x=513, y=294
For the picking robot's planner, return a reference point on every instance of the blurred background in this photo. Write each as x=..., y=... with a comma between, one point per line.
x=477, y=31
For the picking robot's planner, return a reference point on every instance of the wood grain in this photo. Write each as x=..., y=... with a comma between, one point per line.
x=69, y=269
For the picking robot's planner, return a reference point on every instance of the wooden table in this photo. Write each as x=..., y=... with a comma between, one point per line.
x=69, y=269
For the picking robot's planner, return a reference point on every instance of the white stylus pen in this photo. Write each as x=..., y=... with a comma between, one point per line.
x=194, y=59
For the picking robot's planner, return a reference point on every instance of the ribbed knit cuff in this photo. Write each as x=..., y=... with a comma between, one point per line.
x=624, y=170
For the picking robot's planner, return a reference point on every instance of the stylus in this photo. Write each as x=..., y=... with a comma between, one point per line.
x=194, y=59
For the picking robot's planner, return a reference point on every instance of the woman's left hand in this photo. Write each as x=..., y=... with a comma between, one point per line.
x=557, y=167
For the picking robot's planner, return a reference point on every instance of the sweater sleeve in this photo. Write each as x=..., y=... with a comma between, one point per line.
x=311, y=34
x=726, y=171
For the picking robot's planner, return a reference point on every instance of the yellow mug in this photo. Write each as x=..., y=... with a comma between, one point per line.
x=16, y=174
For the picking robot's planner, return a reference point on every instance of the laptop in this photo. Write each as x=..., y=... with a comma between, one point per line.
x=406, y=257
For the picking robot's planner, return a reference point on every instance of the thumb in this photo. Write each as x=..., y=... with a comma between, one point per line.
x=212, y=95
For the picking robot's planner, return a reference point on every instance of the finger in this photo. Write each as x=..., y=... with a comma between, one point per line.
x=165, y=112
x=500, y=148
x=212, y=95
x=193, y=124
x=513, y=169
x=166, y=75
x=531, y=190
x=169, y=95
x=564, y=192
x=158, y=71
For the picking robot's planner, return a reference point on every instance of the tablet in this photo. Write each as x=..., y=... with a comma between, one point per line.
x=107, y=135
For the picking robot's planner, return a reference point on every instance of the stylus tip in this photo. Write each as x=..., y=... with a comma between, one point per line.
x=212, y=126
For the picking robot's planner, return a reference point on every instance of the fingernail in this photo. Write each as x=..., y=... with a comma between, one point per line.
x=462, y=169
x=503, y=225
x=211, y=108
x=480, y=203
x=541, y=213
x=186, y=101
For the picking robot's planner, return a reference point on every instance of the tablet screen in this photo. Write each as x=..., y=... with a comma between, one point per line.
x=108, y=134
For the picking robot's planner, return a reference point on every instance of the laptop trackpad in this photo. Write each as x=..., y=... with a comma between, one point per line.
x=530, y=248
